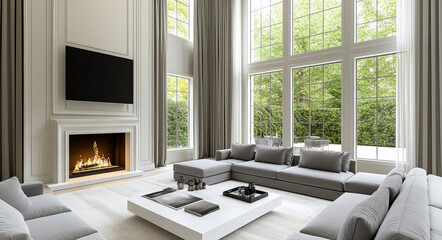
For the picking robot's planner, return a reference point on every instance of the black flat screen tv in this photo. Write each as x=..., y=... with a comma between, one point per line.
x=97, y=77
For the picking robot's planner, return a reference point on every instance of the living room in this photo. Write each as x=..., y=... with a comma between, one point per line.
x=318, y=104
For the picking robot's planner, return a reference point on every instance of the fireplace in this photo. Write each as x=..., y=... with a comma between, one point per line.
x=91, y=154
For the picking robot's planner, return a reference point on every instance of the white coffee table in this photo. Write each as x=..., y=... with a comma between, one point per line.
x=232, y=215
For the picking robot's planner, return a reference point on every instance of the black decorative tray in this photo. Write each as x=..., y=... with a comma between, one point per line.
x=235, y=193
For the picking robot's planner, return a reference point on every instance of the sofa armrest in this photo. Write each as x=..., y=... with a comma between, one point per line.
x=353, y=166
x=222, y=154
x=33, y=189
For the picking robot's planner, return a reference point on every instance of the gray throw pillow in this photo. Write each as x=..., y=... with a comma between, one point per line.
x=274, y=155
x=346, y=159
x=393, y=182
x=243, y=151
x=365, y=219
x=321, y=160
x=12, y=194
x=288, y=156
x=13, y=225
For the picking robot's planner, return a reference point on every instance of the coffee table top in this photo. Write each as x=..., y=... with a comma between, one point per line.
x=232, y=215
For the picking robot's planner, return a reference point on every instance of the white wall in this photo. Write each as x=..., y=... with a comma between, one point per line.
x=117, y=27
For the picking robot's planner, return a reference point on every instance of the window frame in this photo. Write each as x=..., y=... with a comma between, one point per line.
x=347, y=54
x=190, y=23
x=190, y=128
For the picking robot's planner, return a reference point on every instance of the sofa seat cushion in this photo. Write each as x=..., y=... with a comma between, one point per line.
x=435, y=191
x=95, y=236
x=44, y=205
x=259, y=169
x=436, y=220
x=202, y=168
x=365, y=183
x=315, y=178
x=232, y=161
x=330, y=221
x=12, y=224
x=66, y=226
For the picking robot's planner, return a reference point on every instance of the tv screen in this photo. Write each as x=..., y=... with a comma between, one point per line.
x=97, y=77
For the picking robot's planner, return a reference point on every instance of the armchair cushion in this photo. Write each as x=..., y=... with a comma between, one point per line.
x=12, y=194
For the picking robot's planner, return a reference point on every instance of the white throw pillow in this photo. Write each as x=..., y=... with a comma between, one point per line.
x=12, y=224
x=12, y=194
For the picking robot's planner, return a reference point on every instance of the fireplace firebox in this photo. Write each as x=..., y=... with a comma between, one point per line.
x=91, y=154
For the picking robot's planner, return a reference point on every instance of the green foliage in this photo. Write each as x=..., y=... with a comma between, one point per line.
x=267, y=104
x=317, y=102
x=177, y=112
x=178, y=18
x=316, y=25
x=376, y=19
x=376, y=103
x=266, y=29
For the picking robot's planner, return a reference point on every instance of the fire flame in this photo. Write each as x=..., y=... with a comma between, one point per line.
x=95, y=162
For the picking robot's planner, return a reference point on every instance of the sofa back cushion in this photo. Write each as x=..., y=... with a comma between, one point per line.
x=12, y=194
x=409, y=216
x=12, y=223
x=346, y=159
x=393, y=182
x=322, y=160
x=243, y=151
x=271, y=155
x=364, y=220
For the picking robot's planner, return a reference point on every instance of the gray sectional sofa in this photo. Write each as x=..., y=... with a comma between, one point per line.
x=322, y=174
x=409, y=210
x=27, y=214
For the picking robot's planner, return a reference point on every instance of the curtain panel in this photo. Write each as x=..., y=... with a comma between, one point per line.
x=428, y=89
x=160, y=83
x=216, y=70
x=11, y=89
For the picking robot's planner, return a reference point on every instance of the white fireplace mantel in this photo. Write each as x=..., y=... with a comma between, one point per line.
x=66, y=127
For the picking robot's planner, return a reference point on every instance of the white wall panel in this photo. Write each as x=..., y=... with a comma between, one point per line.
x=100, y=24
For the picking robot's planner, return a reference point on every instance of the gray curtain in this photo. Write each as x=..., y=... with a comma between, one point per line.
x=214, y=74
x=11, y=89
x=160, y=84
x=428, y=86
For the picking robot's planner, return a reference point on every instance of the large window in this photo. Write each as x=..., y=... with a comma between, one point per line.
x=335, y=78
x=375, y=19
x=265, y=30
x=267, y=104
x=178, y=108
x=376, y=107
x=317, y=103
x=178, y=21
x=316, y=25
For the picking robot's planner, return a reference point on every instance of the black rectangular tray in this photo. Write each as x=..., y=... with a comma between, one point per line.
x=234, y=193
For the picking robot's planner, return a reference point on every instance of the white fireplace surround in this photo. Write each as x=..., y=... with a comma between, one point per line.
x=65, y=128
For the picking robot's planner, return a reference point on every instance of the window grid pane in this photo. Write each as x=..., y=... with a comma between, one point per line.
x=178, y=108
x=317, y=102
x=266, y=29
x=375, y=19
x=266, y=92
x=316, y=25
x=376, y=107
x=178, y=18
